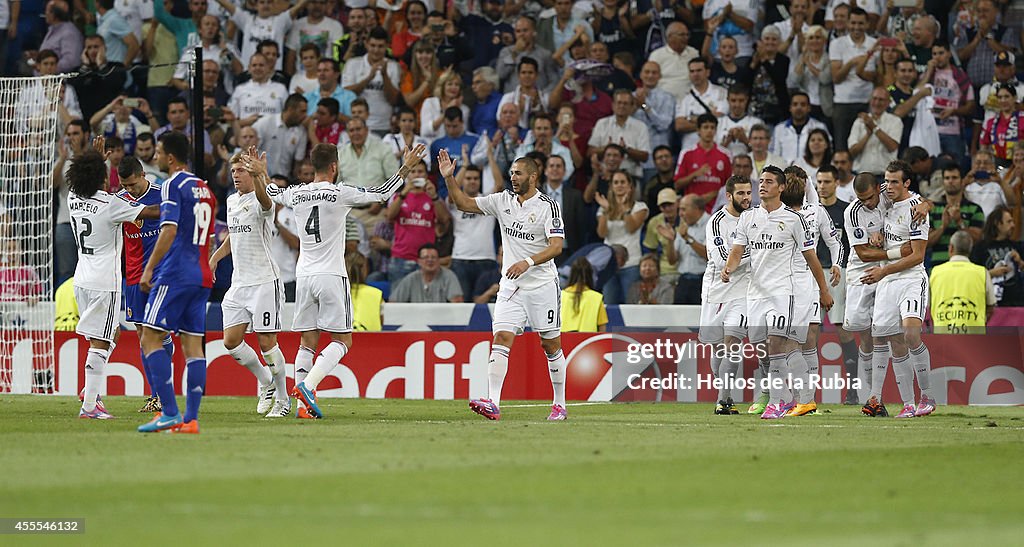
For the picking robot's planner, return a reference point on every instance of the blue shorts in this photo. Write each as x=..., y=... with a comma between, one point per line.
x=134, y=304
x=177, y=309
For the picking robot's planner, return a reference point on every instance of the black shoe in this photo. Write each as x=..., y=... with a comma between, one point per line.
x=722, y=408
x=851, y=398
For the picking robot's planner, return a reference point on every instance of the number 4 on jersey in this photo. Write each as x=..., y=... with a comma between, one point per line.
x=313, y=223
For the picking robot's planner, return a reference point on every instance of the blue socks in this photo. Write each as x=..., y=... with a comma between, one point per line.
x=160, y=369
x=195, y=385
x=169, y=348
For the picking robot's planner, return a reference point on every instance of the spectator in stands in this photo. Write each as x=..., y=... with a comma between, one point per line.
x=449, y=45
x=622, y=129
x=328, y=86
x=406, y=136
x=18, y=282
x=817, y=154
x=1005, y=74
x=904, y=98
x=734, y=128
x=315, y=28
x=789, y=139
x=656, y=109
x=665, y=168
x=353, y=43
x=570, y=203
x=923, y=33
x=658, y=239
x=488, y=33
x=542, y=139
x=183, y=28
x=415, y=211
x=411, y=31
x=564, y=27
x=503, y=143
x=811, y=72
x=527, y=95
x=962, y=293
x=844, y=175
x=282, y=135
x=161, y=52
x=375, y=78
x=262, y=25
x=365, y=162
x=951, y=212
x=447, y=93
x=769, y=94
x=259, y=96
x=704, y=97
x=483, y=117
x=305, y=78
x=651, y=288
x=621, y=75
x=122, y=44
x=982, y=42
x=619, y=220
x=488, y=283
x=62, y=36
x=525, y=45
x=792, y=31
x=215, y=50
x=324, y=125
x=180, y=119
x=420, y=80
x=65, y=253
x=674, y=58
x=726, y=21
x=704, y=169
x=583, y=308
x=455, y=135
x=367, y=301
x=984, y=186
x=1002, y=132
x=118, y=119
x=852, y=72
x=875, y=136
x=285, y=245
x=954, y=98
x=688, y=253
x=473, y=251
x=725, y=68
x=99, y=80
x=145, y=151
x=1000, y=253
x=603, y=165
x=431, y=283
x=759, y=141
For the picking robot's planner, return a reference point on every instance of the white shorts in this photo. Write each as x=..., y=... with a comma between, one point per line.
x=896, y=300
x=540, y=309
x=808, y=307
x=258, y=306
x=720, y=320
x=322, y=302
x=98, y=313
x=860, y=305
x=774, y=317
x=838, y=311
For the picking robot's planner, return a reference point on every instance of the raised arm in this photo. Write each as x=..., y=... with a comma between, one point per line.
x=256, y=164
x=229, y=6
x=446, y=166
x=377, y=194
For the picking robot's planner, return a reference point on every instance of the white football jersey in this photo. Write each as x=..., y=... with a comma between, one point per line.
x=860, y=223
x=525, y=230
x=821, y=226
x=720, y=233
x=252, y=231
x=774, y=240
x=900, y=228
x=320, y=212
x=96, y=222
x=473, y=235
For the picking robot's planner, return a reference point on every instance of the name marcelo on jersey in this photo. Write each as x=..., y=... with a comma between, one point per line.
x=84, y=206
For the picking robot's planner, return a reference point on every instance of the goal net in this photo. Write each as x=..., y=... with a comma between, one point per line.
x=29, y=135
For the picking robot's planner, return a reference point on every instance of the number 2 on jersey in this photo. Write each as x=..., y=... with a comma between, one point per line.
x=82, y=235
x=204, y=216
x=313, y=223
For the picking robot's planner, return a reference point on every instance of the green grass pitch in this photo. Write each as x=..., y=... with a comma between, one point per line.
x=432, y=473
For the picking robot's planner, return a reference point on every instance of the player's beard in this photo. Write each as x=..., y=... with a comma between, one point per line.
x=738, y=206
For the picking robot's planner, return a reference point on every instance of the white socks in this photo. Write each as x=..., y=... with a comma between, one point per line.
x=777, y=368
x=325, y=363
x=798, y=369
x=879, y=366
x=95, y=363
x=922, y=360
x=303, y=364
x=904, y=370
x=556, y=368
x=497, y=367
x=246, y=356
x=275, y=361
x=813, y=367
x=864, y=360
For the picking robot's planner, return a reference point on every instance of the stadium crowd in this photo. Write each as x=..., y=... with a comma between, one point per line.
x=639, y=112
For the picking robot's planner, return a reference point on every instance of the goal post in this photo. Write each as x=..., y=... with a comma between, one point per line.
x=29, y=136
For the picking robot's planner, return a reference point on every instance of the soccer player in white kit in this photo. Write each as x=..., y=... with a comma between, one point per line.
x=323, y=297
x=901, y=298
x=531, y=238
x=96, y=218
x=807, y=312
x=723, y=309
x=775, y=235
x=256, y=294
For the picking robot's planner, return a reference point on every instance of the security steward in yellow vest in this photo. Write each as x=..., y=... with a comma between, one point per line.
x=962, y=296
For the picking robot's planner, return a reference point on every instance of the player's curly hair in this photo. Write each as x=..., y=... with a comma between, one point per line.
x=87, y=174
